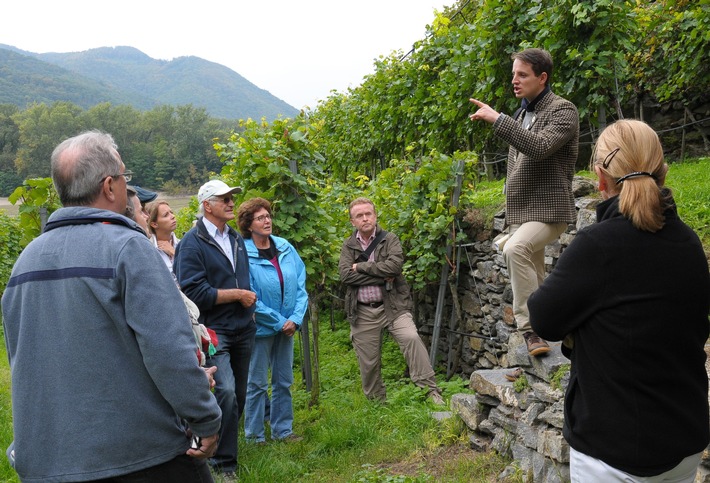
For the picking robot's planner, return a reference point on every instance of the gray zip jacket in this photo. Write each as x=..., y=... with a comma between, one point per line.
x=104, y=374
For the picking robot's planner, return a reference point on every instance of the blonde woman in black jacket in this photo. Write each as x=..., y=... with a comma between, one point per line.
x=633, y=292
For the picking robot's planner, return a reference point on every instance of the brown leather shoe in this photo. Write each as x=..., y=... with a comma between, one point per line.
x=292, y=438
x=514, y=375
x=536, y=346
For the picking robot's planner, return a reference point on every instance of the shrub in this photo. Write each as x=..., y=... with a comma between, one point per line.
x=9, y=247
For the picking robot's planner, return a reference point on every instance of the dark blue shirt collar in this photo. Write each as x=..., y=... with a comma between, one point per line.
x=530, y=106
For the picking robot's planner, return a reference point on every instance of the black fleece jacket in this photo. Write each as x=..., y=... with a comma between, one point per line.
x=637, y=305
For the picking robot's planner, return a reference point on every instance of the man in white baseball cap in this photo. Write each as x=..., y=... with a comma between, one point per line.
x=215, y=188
x=212, y=267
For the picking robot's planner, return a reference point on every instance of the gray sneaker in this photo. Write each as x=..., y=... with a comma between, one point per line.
x=436, y=398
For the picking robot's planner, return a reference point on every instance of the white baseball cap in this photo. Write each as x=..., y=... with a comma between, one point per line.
x=215, y=187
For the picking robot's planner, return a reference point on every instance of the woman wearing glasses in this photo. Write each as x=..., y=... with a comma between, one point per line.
x=633, y=292
x=278, y=276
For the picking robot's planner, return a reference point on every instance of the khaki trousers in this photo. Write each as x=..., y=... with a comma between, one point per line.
x=366, y=337
x=524, y=254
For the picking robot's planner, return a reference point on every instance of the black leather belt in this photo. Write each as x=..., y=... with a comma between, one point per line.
x=374, y=305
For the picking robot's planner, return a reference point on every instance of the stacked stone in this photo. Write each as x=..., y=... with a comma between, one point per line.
x=524, y=425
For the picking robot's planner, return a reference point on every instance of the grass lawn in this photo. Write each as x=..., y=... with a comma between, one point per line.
x=7, y=474
x=346, y=437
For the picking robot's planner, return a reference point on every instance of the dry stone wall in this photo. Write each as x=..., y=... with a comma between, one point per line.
x=525, y=424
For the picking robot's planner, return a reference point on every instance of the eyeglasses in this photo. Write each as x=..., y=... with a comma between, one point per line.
x=609, y=157
x=226, y=200
x=128, y=174
x=261, y=218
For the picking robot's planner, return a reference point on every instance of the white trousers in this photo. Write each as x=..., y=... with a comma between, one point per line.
x=585, y=469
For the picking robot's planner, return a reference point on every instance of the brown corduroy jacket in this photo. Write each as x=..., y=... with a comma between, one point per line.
x=541, y=162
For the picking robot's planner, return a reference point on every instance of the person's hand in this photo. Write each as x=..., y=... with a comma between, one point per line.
x=354, y=267
x=207, y=449
x=484, y=112
x=247, y=298
x=289, y=328
x=209, y=372
x=165, y=246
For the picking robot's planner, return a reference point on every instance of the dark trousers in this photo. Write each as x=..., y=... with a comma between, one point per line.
x=182, y=469
x=232, y=361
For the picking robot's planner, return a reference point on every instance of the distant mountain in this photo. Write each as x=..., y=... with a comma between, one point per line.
x=25, y=79
x=124, y=75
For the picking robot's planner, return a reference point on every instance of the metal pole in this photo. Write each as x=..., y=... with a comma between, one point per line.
x=307, y=376
x=451, y=364
x=444, y=272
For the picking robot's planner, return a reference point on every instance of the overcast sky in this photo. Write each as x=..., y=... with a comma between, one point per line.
x=297, y=50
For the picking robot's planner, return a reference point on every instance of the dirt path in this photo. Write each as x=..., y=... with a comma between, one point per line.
x=8, y=207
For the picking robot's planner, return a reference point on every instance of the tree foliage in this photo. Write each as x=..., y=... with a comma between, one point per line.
x=167, y=147
x=38, y=199
x=607, y=54
x=41, y=128
x=280, y=162
x=400, y=136
x=672, y=57
x=10, y=247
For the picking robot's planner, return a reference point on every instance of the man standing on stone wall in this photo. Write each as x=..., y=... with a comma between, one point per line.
x=544, y=140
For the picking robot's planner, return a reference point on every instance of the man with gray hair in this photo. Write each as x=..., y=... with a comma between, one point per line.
x=212, y=268
x=105, y=382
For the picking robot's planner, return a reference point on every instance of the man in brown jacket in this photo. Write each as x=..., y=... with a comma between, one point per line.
x=378, y=298
x=544, y=141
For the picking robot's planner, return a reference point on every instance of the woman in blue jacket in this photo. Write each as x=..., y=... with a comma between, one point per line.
x=278, y=276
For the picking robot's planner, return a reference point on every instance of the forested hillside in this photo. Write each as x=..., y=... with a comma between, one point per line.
x=25, y=80
x=125, y=75
x=168, y=148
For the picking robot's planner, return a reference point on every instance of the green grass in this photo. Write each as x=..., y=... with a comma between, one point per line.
x=486, y=197
x=7, y=474
x=690, y=182
x=346, y=437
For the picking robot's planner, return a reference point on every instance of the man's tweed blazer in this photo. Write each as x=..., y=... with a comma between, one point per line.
x=541, y=162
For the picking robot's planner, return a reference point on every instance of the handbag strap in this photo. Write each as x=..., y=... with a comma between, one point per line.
x=365, y=256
